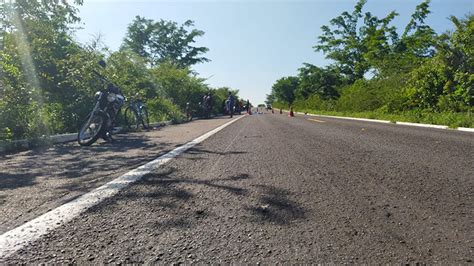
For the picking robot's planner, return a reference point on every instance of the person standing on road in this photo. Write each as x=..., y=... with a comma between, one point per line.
x=230, y=104
x=207, y=101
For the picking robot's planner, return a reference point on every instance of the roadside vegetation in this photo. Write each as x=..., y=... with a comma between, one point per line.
x=47, y=83
x=378, y=71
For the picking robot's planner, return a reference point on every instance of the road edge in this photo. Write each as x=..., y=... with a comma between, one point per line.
x=24, y=144
x=19, y=237
x=464, y=129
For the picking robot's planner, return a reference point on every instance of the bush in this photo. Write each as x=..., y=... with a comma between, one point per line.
x=161, y=109
x=360, y=96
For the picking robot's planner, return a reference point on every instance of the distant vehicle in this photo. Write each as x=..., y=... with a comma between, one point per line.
x=269, y=107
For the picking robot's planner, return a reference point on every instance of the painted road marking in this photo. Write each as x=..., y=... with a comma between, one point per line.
x=316, y=120
x=20, y=237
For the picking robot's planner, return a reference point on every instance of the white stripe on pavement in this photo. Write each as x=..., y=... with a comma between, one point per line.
x=20, y=237
x=421, y=125
x=465, y=129
x=348, y=118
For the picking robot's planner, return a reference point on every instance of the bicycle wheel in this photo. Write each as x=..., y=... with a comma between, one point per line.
x=145, y=118
x=131, y=119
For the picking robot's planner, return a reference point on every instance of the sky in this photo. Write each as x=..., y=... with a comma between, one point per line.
x=252, y=43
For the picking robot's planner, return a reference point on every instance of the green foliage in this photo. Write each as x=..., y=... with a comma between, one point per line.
x=353, y=47
x=456, y=51
x=418, y=38
x=446, y=81
x=284, y=89
x=418, y=76
x=47, y=83
x=163, y=41
x=35, y=66
x=360, y=96
x=162, y=109
x=219, y=96
x=129, y=72
x=179, y=85
x=315, y=80
x=315, y=102
x=426, y=85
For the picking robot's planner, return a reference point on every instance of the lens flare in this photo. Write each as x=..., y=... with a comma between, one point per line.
x=29, y=70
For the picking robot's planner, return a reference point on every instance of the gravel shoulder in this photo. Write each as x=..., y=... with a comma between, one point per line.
x=271, y=189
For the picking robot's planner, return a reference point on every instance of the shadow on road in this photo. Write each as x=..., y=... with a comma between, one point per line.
x=174, y=202
x=276, y=206
x=72, y=161
x=198, y=150
x=163, y=179
x=12, y=181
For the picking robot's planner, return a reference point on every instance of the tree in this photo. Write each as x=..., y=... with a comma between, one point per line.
x=165, y=41
x=446, y=81
x=351, y=46
x=418, y=38
x=410, y=50
x=179, y=85
x=129, y=71
x=270, y=98
x=358, y=42
x=41, y=63
x=316, y=80
x=284, y=89
x=457, y=53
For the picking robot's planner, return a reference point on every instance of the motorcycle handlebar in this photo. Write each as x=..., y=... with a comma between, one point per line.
x=100, y=76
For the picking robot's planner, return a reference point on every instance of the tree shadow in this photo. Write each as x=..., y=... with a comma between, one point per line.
x=275, y=206
x=162, y=179
x=12, y=181
x=198, y=150
x=173, y=205
x=80, y=164
x=193, y=153
x=240, y=177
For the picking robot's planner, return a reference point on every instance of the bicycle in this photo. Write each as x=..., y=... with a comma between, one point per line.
x=136, y=114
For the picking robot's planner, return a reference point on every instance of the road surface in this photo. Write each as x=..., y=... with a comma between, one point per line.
x=267, y=188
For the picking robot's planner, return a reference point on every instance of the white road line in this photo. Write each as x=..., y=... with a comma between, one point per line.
x=348, y=118
x=465, y=129
x=421, y=125
x=316, y=120
x=20, y=237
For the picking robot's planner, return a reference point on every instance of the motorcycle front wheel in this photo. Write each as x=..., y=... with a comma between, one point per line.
x=91, y=130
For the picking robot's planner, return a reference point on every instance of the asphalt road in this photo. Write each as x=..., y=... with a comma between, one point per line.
x=36, y=181
x=270, y=188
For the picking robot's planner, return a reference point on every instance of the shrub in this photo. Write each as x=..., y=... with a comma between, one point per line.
x=161, y=109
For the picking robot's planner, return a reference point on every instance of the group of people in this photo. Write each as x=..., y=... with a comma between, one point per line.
x=230, y=105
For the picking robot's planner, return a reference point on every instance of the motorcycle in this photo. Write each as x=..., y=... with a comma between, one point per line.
x=101, y=119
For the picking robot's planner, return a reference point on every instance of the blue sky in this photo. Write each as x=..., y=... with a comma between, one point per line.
x=252, y=43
